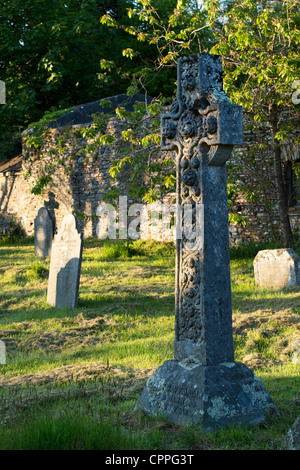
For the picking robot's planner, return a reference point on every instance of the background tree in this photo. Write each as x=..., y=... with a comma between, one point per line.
x=56, y=54
x=260, y=45
x=174, y=29
x=59, y=54
x=173, y=32
x=155, y=34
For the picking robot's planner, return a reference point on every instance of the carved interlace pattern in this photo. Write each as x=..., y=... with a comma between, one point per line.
x=190, y=127
x=186, y=125
x=202, y=126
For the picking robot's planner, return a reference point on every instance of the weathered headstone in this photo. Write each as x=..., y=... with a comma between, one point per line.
x=65, y=265
x=43, y=233
x=276, y=269
x=203, y=384
x=2, y=352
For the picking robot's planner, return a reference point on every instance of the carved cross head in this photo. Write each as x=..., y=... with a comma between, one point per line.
x=202, y=120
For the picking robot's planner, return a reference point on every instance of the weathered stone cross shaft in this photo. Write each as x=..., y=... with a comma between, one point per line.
x=203, y=384
x=202, y=127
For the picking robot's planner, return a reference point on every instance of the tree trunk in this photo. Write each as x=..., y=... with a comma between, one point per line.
x=279, y=181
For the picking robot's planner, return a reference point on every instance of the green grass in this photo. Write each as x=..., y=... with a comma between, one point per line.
x=72, y=377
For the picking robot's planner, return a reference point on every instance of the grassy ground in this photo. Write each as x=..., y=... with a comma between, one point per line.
x=72, y=378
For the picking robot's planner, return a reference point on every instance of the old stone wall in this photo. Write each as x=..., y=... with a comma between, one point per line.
x=78, y=180
x=81, y=179
x=251, y=165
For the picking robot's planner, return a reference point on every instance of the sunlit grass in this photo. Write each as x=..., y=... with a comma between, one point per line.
x=66, y=365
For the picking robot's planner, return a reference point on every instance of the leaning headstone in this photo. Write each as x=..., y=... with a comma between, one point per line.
x=203, y=384
x=276, y=269
x=43, y=233
x=65, y=265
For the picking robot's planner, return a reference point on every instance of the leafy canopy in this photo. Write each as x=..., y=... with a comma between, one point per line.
x=56, y=54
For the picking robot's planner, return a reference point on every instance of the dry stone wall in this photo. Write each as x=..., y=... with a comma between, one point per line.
x=253, y=168
x=81, y=180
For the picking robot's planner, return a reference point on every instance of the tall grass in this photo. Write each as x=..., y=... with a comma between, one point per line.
x=73, y=377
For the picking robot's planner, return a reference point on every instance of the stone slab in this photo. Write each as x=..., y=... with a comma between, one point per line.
x=43, y=233
x=212, y=397
x=277, y=269
x=65, y=265
x=2, y=352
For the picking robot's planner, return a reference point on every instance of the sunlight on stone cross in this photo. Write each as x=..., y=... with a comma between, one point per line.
x=203, y=385
x=202, y=120
x=202, y=127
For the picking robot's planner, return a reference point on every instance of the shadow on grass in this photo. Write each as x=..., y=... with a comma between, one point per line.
x=124, y=301
x=123, y=266
x=131, y=302
x=13, y=296
x=246, y=301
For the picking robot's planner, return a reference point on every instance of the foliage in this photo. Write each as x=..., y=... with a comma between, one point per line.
x=259, y=43
x=11, y=231
x=53, y=55
x=37, y=131
x=138, y=44
x=152, y=174
x=174, y=28
x=138, y=147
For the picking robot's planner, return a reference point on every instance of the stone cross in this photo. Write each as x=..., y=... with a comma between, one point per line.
x=65, y=265
x=203, y=384
x=202, y=127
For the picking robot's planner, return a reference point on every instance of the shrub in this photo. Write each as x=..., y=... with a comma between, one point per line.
x=11, y=230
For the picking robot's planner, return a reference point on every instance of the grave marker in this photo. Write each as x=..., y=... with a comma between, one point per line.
x=43, y=233
x=2, y=352
x=276, y=269
x=65, y=264
x=203, y=384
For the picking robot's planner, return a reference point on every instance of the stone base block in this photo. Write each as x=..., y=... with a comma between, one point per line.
x=210, y=396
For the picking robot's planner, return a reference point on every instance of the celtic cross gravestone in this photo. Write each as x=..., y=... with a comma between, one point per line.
x=203, y=384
